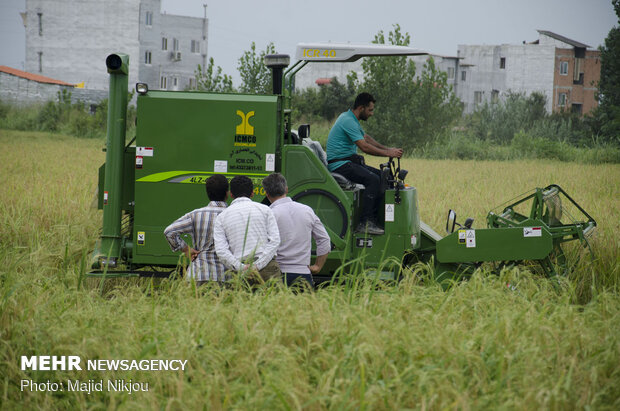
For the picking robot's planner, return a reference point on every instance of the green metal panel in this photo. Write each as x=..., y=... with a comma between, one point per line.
x=495, y=244
x=183, y=138
x=128, y=181
x=402, y=230
x=406, y=219
x=310, y=183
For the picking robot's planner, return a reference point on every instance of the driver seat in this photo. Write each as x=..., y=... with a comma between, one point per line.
x=342, y=181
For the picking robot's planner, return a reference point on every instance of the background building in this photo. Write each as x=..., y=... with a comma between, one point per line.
x=70, y=40
x=315, y=74
x=564, y=70
x=22, y=88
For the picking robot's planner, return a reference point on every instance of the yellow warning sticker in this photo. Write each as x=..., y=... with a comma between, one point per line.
x=462, y=236
x=141, y=237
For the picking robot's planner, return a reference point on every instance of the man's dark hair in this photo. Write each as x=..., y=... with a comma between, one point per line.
x=275, y=185
x=363, y=99
x=241, y=186
x=217, y=187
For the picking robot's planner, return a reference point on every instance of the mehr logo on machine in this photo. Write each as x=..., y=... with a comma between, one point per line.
x=244, y=136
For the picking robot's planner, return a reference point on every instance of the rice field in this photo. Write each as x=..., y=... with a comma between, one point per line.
x=478, y=345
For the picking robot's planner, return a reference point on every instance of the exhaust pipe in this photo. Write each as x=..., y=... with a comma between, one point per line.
x=277, y=63
x=110, y=248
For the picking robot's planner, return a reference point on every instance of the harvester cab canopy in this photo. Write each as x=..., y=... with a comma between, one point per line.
x=346, y=52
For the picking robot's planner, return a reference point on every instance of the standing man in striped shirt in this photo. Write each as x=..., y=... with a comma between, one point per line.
x=205, y=266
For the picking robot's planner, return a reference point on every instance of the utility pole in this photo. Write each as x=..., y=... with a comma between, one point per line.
x=204, y=38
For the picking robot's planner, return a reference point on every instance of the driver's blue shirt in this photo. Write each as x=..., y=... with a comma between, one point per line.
x=342, y=137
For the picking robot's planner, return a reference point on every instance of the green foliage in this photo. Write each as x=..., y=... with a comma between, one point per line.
x=410, y=111
x=212, y=79
x=326, y=102
x=62, y=116
x=608, y=114
x=499, y=121
x=255, y=76
x=461, y=145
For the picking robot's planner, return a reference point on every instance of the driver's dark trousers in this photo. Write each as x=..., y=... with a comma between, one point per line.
x=370, y=177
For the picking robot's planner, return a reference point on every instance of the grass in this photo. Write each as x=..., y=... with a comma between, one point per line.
x=479, y=345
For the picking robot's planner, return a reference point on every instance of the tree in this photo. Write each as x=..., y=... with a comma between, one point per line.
x=328, y=101
x=609, y=85
x=255, y=76
x=212, y=79
x=335, y=98
x=410, y=111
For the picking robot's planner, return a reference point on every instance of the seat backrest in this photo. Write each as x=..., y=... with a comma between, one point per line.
x=315, y=146
x=342, y=181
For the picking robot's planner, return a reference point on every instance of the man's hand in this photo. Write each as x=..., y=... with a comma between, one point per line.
x=191, y=253
x=318, y=264
x=314, y=269
x=395, y=152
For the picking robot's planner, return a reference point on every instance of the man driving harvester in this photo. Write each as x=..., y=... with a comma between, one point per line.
x=345, y=137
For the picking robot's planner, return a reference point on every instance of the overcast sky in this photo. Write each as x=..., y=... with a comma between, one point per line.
x=437, y=26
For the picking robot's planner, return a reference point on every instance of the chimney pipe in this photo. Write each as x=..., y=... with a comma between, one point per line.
x=277, y=63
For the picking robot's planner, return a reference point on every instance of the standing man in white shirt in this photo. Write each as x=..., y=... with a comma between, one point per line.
x=297, y=224
x=199, y=223
x=246, y=233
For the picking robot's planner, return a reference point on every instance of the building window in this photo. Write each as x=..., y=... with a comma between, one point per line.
x=164, y=43
x=494, y=96
x=195, y=47
x=163, y=82
x=149, y=18
x=577, y=108
x=463, y=75
x=192, y=84
x=40, y=62
x=502, y=62
x=562, y=100
x=147, y=57
x=564, y=68
x=450, y=73
x=477, y=97
x=175, y=44
x=40, y=15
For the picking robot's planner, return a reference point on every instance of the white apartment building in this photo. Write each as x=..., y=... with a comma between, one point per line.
x=70, y=40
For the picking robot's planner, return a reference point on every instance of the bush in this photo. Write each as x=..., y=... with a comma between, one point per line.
x=61, y=116
x=460, y=145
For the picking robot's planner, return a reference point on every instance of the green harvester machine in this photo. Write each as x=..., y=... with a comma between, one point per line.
x=184, y=137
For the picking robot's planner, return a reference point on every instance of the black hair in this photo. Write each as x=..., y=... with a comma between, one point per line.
x=217, y=187
x=275, y=185
x=363, y=99
x=241, y=186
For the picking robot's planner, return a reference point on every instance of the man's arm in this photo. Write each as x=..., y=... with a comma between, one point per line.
x=273, y=241
x=374, y=142
x=222, y=248
x=323, y=245
x=369, y=148
x=183, y=225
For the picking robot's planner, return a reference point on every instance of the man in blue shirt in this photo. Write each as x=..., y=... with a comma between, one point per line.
x=345, y=137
